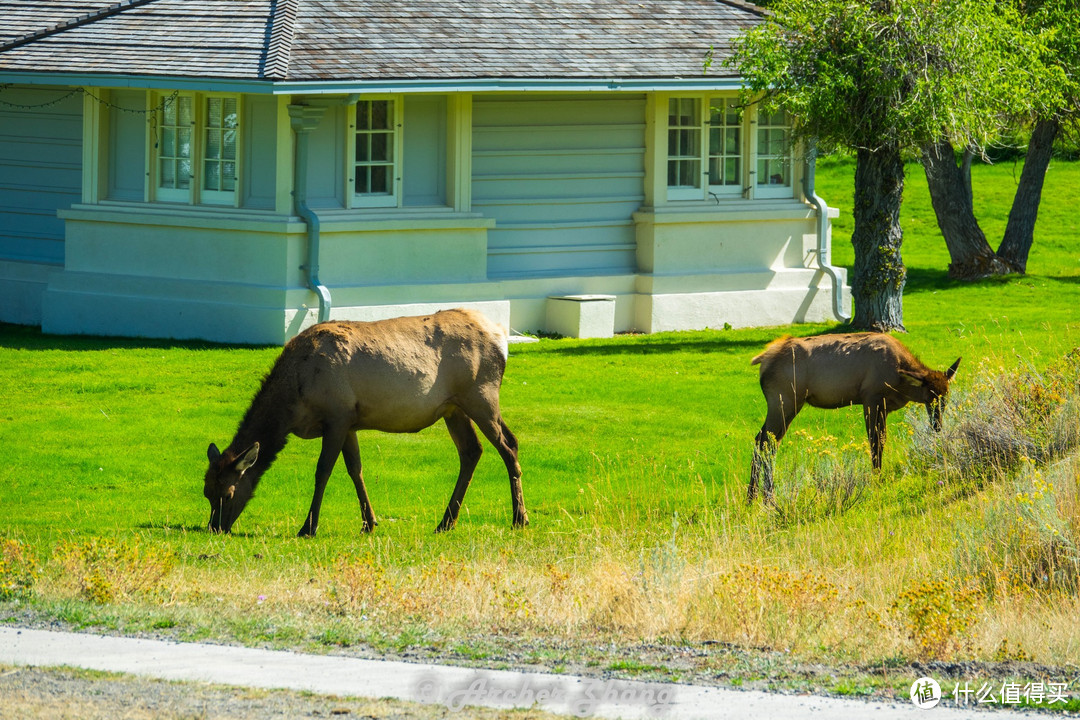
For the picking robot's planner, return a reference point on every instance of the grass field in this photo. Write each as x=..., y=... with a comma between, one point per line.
x=635, y=452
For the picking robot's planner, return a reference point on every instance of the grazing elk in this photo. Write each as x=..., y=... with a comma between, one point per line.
x=398, y=376
x=831, y=371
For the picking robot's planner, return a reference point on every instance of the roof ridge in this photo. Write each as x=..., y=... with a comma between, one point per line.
x=281, y=30
x=77, y=21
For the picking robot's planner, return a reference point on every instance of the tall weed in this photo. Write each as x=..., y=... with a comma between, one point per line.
x=825, y=482
x=18, y=570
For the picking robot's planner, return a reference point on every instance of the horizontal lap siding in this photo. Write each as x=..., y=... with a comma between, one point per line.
x=40, y=171
x=561, y=177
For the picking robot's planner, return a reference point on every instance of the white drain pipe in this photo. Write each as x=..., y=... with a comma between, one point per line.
x=824, y=249
x=304, y=119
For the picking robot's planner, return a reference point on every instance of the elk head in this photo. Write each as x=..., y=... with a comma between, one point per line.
x=226, y=486
x=931, y=388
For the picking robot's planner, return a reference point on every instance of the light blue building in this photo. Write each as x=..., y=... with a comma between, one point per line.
x=236, y=169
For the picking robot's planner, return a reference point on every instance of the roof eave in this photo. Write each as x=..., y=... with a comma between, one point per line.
x=389, y=86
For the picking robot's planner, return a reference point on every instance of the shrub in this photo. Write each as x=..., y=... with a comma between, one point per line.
x=1001, y=419
x=1026, y=539
x=938, y=617
x=105, y=571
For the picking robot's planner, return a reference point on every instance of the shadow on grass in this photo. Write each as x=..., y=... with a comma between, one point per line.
x=186, y=528
x=646, y=345
x=24, y=337
x=933, y=279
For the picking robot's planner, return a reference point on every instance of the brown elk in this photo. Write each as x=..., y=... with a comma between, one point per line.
x=400, y=375
x=832, y=371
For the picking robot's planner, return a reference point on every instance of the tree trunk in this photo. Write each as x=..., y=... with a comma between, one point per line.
x=877, y=283
x=1020, y=230
x=950, y=193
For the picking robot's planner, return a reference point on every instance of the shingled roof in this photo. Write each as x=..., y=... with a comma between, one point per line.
x=356, y=40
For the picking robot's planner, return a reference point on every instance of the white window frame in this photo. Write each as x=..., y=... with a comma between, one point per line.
x=159, y=132
x=195, y=193
x=723, y=107
x=763, y=187
x=703, y=154
x=686, y=143
x=219, y=196
x=357, y=136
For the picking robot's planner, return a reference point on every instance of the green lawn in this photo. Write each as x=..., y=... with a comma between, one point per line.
x=635, y=452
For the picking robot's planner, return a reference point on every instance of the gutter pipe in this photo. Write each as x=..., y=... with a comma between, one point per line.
x=824, y=249
x=304, y=119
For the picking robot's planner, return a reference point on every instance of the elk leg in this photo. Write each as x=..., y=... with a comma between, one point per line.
x=350, y=453
x=482, y=407
x=469, y=451
x=332, y=444
x=874, y=413
x=772, y=431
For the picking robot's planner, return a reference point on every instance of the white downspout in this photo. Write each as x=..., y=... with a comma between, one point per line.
x=824, y=248
x=304, y=119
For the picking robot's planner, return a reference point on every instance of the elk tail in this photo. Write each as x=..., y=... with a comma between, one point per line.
x=770, y=349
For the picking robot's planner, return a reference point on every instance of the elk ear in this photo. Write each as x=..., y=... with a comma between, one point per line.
x=247, y=458
x=952, y=370
x=911, y=378
x=212, y=453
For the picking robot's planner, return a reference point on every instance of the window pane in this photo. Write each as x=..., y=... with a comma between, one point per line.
x=186, y=115
x=211, y=175
x=183, y=148
x=228, y=176
x=380, y=147
x=168, y=173
x=733, y=171
x=363, y=116
x=214, y=112
x=229, y=146
x=363, y=148
x=715, y=176
x=213, y=144
x=363, y=184
x=183, y=176
x=690, y=173
x=380, y=115
x=167, y=147
x=380, y=179
x=731, y=141
x=168, y=112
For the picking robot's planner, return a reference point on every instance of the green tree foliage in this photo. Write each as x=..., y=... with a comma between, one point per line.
x=880, y=78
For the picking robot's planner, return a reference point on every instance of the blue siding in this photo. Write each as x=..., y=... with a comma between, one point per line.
x=127, y=144
x=424, y=173
x=561, y=177
x=40, y=171
x=259, y=161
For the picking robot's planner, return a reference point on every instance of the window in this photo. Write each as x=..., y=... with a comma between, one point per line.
x=375, y=166
x=773, y=155
x=705, y=148
x=219, y=150
x=725, y=146
x=714, y=152
x=195, y=149
x=684, y=148
x=174, y=146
